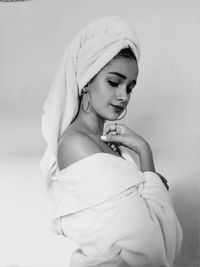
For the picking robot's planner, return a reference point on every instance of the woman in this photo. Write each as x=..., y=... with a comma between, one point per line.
x=118, y=214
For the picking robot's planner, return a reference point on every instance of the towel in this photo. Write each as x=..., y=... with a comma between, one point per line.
x=84, y=57
x=118, y=215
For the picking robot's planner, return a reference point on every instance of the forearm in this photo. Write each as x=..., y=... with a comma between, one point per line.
x=147, y=163
x=146, y=158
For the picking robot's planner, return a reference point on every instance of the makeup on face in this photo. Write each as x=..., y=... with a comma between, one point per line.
x=117, y=109
x=111, y=89
x=117, y=78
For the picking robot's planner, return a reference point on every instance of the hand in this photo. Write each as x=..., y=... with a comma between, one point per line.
x=122, y=135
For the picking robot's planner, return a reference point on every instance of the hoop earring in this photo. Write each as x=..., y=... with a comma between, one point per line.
x=123, y=115
x=88, y=105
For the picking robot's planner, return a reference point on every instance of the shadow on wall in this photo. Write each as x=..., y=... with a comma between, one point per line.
x=187, y=210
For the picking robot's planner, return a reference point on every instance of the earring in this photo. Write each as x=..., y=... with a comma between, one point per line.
x=88, y=104
x=123, y=115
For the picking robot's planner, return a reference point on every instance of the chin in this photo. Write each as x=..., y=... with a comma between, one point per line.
x=112, y=117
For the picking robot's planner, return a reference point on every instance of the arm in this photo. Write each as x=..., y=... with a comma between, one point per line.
x=122, y=135
x=147, y=164
x=146, y=158
x=154, y=215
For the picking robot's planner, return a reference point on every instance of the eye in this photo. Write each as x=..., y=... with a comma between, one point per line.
x=113, y=84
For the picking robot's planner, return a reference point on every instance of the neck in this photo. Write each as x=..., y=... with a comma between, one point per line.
x=92, y=122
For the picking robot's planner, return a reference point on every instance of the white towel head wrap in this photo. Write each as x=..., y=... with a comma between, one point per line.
x=85, y=56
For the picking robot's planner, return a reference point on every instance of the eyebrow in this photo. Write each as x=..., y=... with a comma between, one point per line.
x=121, y=75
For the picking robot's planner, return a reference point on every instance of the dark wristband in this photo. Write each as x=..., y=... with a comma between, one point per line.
x=163, y=180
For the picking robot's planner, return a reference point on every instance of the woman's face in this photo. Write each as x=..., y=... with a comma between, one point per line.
x=110, y=91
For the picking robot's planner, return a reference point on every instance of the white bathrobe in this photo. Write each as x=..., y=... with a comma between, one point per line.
x=118, y=215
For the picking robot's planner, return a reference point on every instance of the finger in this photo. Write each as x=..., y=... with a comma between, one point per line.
x=112, y=127
x=112, y=133
x=109, y=128
x=112, y=138
x=118, y=130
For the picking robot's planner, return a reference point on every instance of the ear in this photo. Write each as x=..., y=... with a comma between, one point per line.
x=86, y=88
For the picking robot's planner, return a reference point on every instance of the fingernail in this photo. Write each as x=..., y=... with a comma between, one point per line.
x=103, y=137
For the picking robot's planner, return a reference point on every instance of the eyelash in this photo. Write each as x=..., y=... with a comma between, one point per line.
x=113, y=84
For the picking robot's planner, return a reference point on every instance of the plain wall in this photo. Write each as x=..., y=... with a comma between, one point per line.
x=164, y=109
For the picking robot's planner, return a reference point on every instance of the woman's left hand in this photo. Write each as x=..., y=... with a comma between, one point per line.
x=122, y=135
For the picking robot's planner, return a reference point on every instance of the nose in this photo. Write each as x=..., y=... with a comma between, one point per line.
x=121, y=94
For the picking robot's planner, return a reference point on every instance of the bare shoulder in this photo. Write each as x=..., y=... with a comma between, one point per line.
x=75, y=146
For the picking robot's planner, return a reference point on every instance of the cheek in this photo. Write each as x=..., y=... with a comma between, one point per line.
x=102, y=93
x=129, y=98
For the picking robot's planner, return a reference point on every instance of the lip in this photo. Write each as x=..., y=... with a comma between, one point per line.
x=117, y=108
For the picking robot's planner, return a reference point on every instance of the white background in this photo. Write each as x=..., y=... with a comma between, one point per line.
x=164, y=109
